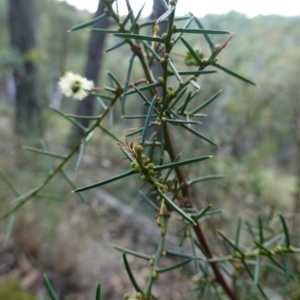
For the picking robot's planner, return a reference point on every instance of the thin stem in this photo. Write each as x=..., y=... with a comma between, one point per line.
x=170, y=148
x=26, y=197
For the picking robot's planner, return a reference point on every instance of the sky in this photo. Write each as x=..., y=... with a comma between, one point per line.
x=201, y=8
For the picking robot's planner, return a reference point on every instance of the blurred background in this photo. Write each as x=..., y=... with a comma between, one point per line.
x=257, y=128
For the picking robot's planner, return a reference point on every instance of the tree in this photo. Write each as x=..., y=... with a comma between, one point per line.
x=23, y=40
x=94, y=57
x=158, y=9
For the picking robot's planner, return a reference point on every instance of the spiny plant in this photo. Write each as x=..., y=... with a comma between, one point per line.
x=155, y=162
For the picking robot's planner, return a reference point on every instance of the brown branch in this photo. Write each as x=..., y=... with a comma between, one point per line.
x=129, y=8
x=197, y=229
x=219, y=275
x=181, y=177
x=138, y=82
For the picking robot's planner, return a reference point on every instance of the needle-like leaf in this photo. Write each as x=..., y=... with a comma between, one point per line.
x=90, y=23
x=50, y=289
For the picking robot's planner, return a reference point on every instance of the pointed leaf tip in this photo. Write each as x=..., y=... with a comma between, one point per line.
x=98, y=291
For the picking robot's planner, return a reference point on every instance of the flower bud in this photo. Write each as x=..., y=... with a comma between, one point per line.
x=151, y=166
x=162, y=61
x=133, y=164
x=138, y=148
x=137, y=168
x=154, y=274
x=164, y=35
x=151, y=172
x=160, y=80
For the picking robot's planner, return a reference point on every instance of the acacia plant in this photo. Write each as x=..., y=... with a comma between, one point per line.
x=175, y=105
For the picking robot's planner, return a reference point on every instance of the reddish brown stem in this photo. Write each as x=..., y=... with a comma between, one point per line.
x=219, y=275
x=170, y=148
x=197, y=229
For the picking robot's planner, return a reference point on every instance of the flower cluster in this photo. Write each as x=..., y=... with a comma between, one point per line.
x=75, y=86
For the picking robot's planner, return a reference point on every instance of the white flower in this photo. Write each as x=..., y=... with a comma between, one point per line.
x=75, y=86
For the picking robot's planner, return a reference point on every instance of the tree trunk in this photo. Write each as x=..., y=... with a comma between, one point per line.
x=157, y=9
x=21, y=18
x=94, y=57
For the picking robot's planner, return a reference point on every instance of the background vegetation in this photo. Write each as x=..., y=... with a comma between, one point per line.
x=257, y=129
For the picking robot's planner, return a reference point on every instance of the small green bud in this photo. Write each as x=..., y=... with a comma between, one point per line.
x=126, y=296
x=172, y=95
x=151, y=166
x=172, y=44
x=164, y=253
x=166, y=55
x=138, y=148
x=154, y=275
x=173, y=2
x=218, y=47
x=139, y=295
x=137, y=168
x=151, y=172
x=160, y=80
x=143, y=177
x=133, y=164
x=162, y=61
x=164, y=35
x=151, y=261
x=163, y=230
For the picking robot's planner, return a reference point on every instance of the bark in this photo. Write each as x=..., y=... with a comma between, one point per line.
x=157, y=10
x=21, y=19
x=92, y=69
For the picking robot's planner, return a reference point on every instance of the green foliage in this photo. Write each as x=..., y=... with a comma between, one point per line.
x=258, y=249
